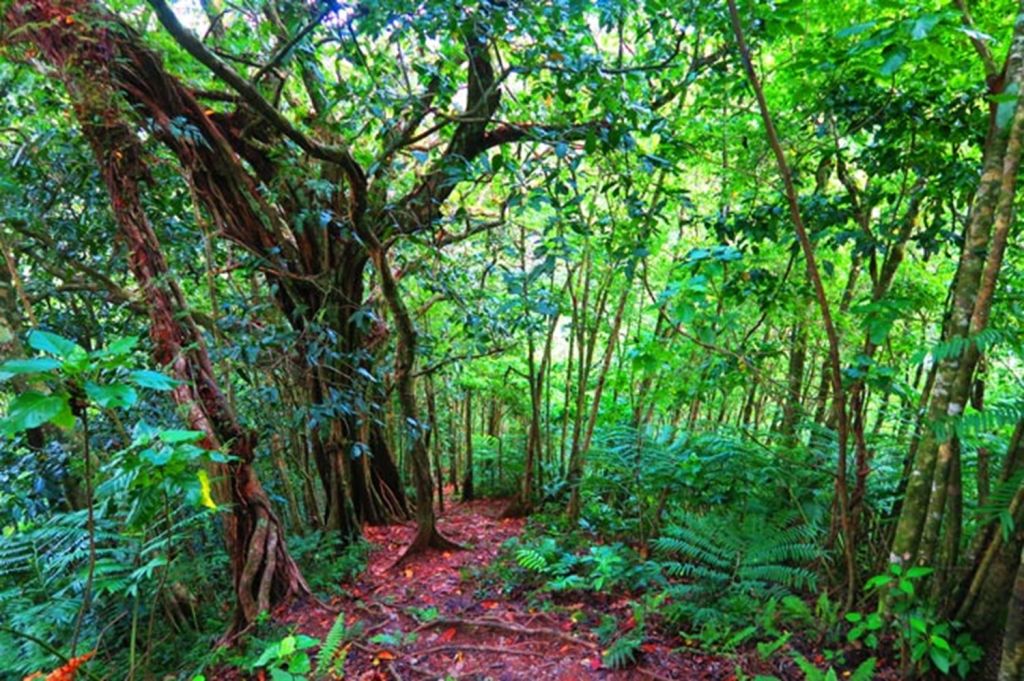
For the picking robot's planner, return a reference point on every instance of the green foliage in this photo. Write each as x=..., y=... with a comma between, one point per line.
x=865, y=671
x=287, y=659
x=330, y=559
x=727, y=567
x=600, y=568
x=328, y=656
x=925, y=641
x=149, y=495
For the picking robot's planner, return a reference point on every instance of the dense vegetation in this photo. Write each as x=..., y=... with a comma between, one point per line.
x=722, y=296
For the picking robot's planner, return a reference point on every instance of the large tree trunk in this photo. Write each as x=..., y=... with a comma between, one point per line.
x=924, y=509
x=1011, y=667
x=317, y=272
x=427, y=534
x=994, y=562
x=263, y=572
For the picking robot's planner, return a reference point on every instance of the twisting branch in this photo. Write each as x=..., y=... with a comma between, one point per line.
x=285, y=51
x=342, y=157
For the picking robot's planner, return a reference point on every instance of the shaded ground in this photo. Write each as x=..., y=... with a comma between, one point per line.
x=439, y=619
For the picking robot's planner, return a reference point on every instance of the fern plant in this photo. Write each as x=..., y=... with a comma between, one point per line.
x=328, y=656
x=726, y=567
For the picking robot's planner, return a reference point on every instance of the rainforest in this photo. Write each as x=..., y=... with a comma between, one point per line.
x=511, y=339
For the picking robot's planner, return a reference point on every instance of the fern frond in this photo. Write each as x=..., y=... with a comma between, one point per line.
x=330, y=645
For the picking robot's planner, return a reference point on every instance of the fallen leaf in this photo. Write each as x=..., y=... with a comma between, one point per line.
x=447, y=635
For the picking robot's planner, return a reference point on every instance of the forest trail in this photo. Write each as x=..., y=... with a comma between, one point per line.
x=463, y=627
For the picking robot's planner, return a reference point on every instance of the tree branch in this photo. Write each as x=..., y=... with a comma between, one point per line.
x=991, y=70
x=342, y=157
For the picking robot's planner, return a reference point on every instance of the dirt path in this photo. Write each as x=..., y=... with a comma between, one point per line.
x=440, y=619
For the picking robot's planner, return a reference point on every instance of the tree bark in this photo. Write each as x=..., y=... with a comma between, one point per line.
x=923, y=511
x=263, y=572
x=427, y=534
x=467, y=479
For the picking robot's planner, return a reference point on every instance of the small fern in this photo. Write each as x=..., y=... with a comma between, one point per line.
x=1000, y=500
x=865, y=671
x=531, y=559
x=623, y=652
x=329, y=649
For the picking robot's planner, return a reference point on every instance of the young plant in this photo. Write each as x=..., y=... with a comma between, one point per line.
x=925, y=641
x=287, y=659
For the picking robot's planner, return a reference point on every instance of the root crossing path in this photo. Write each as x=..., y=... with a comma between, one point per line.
x=442, y=615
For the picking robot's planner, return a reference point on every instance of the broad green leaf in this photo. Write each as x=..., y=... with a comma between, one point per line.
x=117, y=348
x=270, y=653
x=895, y=57
x=158, y=456
x=154, y=380
x=923, y=26
x=865, y=671
x=32, y=365
x=940, y=658
x=51, y=343
x=299, y=664
x=303, y=642
x=32, y=409
x=177, y=436
x=1007, y=104
x=856, y=29
x=113, y=395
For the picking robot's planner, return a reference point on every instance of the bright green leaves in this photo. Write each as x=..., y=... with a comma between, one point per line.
x=1006, y=104
x=287, y=659
x=932, y=642
x=116, y=395
x=895, y=56
x=55, y=345
x=32, y=410
x=34, y=365
x=171, y=461
x=153, y=380
x=101, y=378
x=923, y=25
x=895, y=37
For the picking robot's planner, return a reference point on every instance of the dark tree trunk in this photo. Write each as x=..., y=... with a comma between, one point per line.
x=427, y=534
x=794, y=384
x=263, y=572
x=467, y=480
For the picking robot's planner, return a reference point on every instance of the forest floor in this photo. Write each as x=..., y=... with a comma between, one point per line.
x=438, y=615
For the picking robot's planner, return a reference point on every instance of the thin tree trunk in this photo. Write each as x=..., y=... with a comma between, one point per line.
x=576, y=473
x=467, y=479
x=839, y=397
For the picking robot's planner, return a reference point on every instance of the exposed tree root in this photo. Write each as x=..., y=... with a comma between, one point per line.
x=474, y=648
x=431, y=539
x=505, y=626
x=517, y=508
